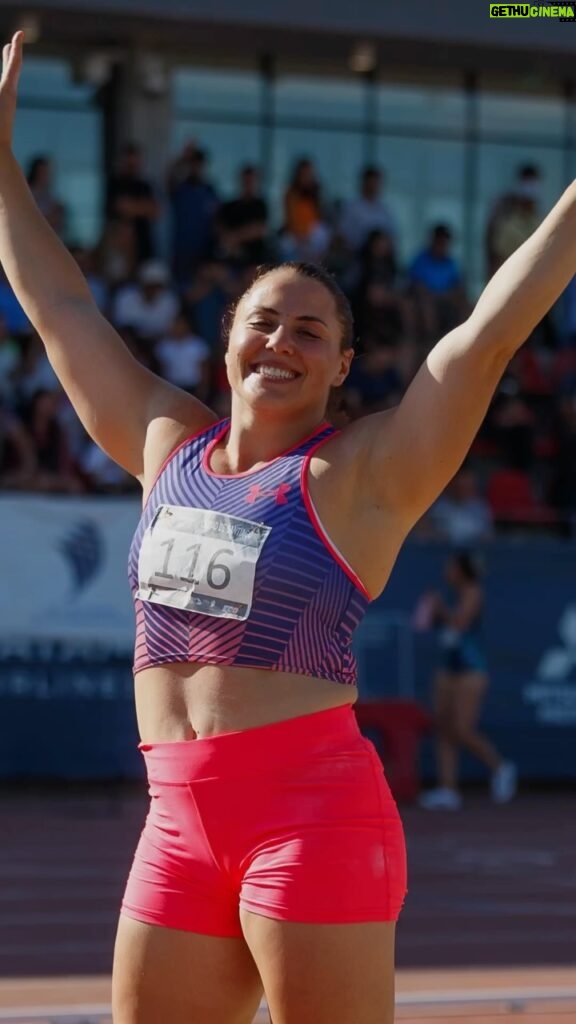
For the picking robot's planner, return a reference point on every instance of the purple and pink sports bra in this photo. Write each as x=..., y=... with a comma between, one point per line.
x=237, y=569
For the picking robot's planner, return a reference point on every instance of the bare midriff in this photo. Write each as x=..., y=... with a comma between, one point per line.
x=185, y=701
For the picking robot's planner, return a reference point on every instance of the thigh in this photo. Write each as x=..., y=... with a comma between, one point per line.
x=166, y=975
x=322, y=974
x=469, y=696
x=443, y=695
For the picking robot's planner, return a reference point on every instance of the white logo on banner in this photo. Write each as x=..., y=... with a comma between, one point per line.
x=64, y=575
x=553, y=692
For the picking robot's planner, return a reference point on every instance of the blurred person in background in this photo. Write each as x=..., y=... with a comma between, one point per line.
x=194, y=204
x=307, y=913
x=375, y=382
x=379, y=299
x=215, y=284
x=34, y=371
x=96, y=281
x=437, y=286
x=17, y=458
x=461, y=515
x=243, y=220
x=11, y=311
x=39, y=177
x=513, y=218
x=460, y=687
x=184, y=358
x=9, y=361
x=562, y=492
x=131, y=201
x=55, y=471
x=150, y=305
x=305, y=235
x=368, y=213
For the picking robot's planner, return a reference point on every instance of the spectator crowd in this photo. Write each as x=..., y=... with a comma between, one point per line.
x=521, y=472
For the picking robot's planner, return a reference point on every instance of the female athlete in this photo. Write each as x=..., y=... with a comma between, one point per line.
x=272, y=856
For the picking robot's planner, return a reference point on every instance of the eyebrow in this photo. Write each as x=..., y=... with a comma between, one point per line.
x=305, y=317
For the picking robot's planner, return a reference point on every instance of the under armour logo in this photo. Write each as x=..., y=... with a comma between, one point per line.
x=279, y=493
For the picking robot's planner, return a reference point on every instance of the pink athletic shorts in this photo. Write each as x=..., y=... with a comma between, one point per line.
x=293, y=821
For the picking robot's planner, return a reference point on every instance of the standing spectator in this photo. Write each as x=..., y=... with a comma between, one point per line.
x=380, y=303
x=437, y=286
x=149, y=306
x=243, y=221
x=130, y=199
x=514, y=216
x=184, y=358
x=368, y=213
x=305, y=235
x=194, y=204
x=39, y=179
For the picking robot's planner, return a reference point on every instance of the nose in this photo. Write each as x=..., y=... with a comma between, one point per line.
x=280, y=340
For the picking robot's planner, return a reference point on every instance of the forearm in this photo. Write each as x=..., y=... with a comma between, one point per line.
x=39, y=268
x=531, y=280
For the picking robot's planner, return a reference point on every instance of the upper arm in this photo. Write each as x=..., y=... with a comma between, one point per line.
x=115, y=397
x=414, y=451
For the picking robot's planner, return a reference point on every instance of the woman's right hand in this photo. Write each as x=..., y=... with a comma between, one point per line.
x=11, y=66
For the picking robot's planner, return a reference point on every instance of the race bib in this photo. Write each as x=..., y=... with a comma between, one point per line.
x=200, y=561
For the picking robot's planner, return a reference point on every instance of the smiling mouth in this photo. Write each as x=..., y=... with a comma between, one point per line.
x=273, y=372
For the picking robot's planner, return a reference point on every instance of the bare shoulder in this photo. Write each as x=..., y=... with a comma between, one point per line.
x=172, y=423
x=347, y=452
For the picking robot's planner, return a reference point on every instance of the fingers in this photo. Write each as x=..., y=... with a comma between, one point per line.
x=12, y=57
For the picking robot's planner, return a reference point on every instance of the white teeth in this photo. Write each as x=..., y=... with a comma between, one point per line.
x=275, y=371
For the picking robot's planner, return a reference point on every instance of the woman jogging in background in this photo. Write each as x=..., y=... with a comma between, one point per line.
x=272, y=856
x=460, y=686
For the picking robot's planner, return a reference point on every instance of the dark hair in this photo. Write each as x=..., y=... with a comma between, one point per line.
x=469, y=565
x=41, y=160
x=314, y=273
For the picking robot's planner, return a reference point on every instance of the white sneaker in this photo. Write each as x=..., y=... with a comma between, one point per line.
x=441, y=799
x=504, y=783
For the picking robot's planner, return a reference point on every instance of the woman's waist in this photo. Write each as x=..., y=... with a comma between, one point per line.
x=184, y=701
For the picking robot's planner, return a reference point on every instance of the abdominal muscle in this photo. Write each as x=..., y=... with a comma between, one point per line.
x=186, y=701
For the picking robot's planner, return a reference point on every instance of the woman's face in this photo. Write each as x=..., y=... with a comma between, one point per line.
x=284, y=353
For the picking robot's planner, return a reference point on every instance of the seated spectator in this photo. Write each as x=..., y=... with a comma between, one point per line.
x=194, y=204
x=11, y=311
x=116, y=254
x=460, y=515
x=102, y=474
x=563, y=484
x=149, y=306
x=215, y=285
x=243, y=221
x=511, y=425
x=184, y=358
x=17, y=458
x=9, y=360
x=367, y=214
x=34, y=371
x=130, y=200
x=55, y=470
x=374, y=382
x=305, y=236
x=380, y=305
x=39, y=179
x=437, y=286
x=86, y=260
x=514, y=217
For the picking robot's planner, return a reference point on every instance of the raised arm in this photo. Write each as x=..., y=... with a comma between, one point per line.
x=116, y=398
x=412, y=452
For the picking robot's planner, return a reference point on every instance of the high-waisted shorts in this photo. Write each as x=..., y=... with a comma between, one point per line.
x=293, y=821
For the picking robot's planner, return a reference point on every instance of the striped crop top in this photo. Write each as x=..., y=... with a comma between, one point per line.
x=237, y=569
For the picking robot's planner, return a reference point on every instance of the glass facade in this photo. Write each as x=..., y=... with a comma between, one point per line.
x=448, y=148
x=59, y=118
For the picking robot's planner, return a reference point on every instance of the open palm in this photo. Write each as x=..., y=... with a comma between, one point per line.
x=11, y=65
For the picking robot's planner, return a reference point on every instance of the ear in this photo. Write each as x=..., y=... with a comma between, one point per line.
x=346, y=358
